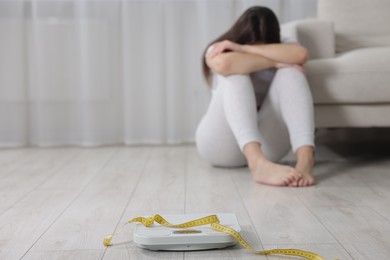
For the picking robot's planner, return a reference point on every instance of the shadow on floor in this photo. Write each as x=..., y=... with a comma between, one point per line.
x=351, y=150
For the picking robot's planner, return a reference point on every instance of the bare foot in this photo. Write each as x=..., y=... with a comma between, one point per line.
x=305, y=167
x=267, y=172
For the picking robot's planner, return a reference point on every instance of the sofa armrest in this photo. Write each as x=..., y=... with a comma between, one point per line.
x=316, y=35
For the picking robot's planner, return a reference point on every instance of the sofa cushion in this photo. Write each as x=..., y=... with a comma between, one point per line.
x=316, y=35
x=355, y=77
x=358, y=23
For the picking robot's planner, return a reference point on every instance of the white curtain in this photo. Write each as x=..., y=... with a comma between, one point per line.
x=94, y=72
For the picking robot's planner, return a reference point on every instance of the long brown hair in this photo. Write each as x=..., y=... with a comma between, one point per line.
x=257, y=24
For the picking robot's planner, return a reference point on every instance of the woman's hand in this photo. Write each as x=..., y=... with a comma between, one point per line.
x=223, y=46
x=280, y=65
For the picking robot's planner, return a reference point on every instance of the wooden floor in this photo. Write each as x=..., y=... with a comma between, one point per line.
x=60, y=203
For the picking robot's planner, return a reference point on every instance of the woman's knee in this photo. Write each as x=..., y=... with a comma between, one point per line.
x=290, y=71
x=237, y=79
x=291, y=74
x=219, y=150
x=289, y=80
x=220, y=157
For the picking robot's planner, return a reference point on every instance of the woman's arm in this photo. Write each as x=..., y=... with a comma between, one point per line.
x=267, y=55
x=244, y=59
x=228, y=63
x=283, y=53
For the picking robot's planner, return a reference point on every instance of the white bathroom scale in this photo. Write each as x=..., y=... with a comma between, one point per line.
x=159, y=237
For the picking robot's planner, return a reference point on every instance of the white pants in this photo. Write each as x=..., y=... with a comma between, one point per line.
x=284, y=121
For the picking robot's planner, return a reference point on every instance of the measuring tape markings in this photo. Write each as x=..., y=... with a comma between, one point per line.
x=214, y=223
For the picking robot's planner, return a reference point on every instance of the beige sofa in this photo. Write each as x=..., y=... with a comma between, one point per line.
x=349, y=66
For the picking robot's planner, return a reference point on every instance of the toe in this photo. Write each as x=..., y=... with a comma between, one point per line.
x=292, y=184
x=302, y=182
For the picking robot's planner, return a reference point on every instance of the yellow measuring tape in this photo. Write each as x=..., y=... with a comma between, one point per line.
x=214, y=222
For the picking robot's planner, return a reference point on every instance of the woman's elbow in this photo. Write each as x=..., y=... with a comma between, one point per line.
x=303, y=55
x=220, y=65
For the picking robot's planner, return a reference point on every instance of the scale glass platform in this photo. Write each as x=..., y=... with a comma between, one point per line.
x=195, y=238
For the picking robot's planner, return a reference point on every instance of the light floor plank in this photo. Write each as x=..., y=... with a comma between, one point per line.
x=9, y=155
x=27, y=220
x=162, y=185
x=29, y=176
x=99, y=207
x=376, y=198
x=65, y=255
x=362, y=232
x=12, y=159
